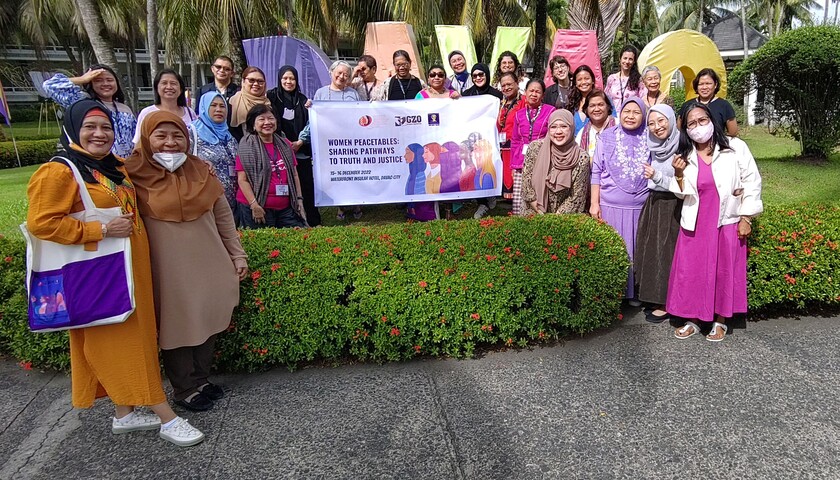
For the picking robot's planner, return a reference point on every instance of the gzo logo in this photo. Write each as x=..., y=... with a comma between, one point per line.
x=407, y=120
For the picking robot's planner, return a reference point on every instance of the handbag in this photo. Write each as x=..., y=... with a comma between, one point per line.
x=69, y=287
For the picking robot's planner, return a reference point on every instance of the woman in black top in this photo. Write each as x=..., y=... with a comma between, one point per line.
x=480, y=75
x=707, y=86
x=404, y=85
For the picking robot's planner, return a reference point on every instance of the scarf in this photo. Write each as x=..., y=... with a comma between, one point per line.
x=180, y=196
x=486, y=89
x=587, y=127
x=293, y=101
x=624, y=152
x=74, y=117
x=661, y=151
x=241, y=103
x=258, y=167
x=554, y=163
x=209, y=131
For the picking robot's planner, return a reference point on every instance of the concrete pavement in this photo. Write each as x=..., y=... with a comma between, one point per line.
x=627, y=402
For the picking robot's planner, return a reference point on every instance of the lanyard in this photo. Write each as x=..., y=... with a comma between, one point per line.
x=368, y=90
x=531, y=122
x=402, y=87
x=507, y=108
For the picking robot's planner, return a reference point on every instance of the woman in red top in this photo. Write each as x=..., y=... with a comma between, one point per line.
x=511, y=103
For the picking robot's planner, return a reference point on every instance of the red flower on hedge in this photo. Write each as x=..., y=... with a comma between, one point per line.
x=507, y=249
x=336, y=250
x=490, y=258
x=554, y=257
x=417, y=348
x=274, y=267
x=384, y=319
x=256, y=275
x=441, y=250
x=790, y=279
x=9, y=259
x=395, y=332
x=549, y=241
x=475, y=316
x=274, y=254
x=592, y=245
x=428, y=233
x=490, y=285
x=422, y=284
x=620, y=316
x=26, y=365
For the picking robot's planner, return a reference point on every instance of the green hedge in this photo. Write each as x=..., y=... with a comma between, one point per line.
x=32, y=152
x=444, y=288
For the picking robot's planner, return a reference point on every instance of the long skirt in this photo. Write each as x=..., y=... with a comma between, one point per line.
x=709, y=272
x=659, y=226
x=517, y=192
x=625, y=221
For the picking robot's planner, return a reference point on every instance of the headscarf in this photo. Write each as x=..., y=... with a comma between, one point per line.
x=463, y=76
x=208, y=130
x=486, y=89
x=663, y=150
x=241, y=103
x=294, y=101
x=180, y=196
x=554, y=164
x=107, y=165
x=624, y=152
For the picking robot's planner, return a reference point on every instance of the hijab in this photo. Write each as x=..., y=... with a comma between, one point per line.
x=486, y=89
x=241, y=103
x=107, y=165
x=208, y=130
x=416, y=169
x=554, y=164
x=663, y=150
x=293, y=101
x=180, y=196
x=624, y=152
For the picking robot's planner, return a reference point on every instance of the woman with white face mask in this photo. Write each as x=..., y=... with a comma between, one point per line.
x=719, y=181
x=197, y=260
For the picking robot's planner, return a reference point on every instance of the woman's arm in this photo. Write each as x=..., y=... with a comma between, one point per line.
x=66, y=91
x=257, y=210
x=595, y=183
x=229, y=236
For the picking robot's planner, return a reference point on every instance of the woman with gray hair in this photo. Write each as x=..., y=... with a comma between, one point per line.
x=339, y=90
x=652, y=77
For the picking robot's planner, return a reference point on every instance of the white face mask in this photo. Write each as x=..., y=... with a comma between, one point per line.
x=702, y=133
x=170, y=161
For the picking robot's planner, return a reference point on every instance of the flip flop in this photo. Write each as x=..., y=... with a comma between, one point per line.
x=682, y=329
x=715, y=326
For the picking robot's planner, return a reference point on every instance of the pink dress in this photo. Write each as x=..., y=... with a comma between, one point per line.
x=709, y=273
x=619, y=90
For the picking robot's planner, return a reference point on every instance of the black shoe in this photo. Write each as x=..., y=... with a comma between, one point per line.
x=650, y=317
x=196, y=402
x=212, y=391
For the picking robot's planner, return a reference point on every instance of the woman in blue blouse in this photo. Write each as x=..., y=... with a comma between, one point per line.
x=100, y=83
x=211, y=141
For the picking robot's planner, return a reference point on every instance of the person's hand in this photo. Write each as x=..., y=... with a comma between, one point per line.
x=242, y=272
x=455, y=95
x=357, y=72
x=308, y=103
x=121, y=226
x=258, y=213
x=211, y=167
x=744, y=228
x=595, y=211
x=296, y=145
x=535, y=208
x=649, y=171
x=679, y=165
x=87, y=77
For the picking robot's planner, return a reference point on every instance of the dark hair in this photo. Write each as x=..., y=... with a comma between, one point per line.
x=635, y=77
x=369, y=61
x=517, y=67
x=706, y=72
x=687, y=144
x=557, y=60
x=511, y=75
x=435, y=66
x=575, y=97
x=593, y=94
x=401, y=53
x=119, y=96
x=255, y=112
x=535, y=80
x=251, y=69
x=227, y=59
x=182, y=98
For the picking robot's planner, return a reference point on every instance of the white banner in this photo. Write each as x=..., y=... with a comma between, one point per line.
x=405, y=151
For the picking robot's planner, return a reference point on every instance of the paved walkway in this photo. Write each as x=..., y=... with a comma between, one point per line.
x=628, y=402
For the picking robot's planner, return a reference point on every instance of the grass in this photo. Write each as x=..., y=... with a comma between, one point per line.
x=30, y=131
x=785, y=181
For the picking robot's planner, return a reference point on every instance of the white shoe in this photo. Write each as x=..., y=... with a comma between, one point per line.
x=481, y=211
x=181, y=433
x=491, y=203
x=135, y=421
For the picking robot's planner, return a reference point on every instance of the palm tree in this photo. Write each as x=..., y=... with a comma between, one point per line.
x=602, y=16
x=151, y=35
x=95, y=28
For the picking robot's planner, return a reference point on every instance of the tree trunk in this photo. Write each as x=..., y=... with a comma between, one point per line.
x=290, y=16
x=825, y=11
x=194, y=83
x=747, y=105
x=237, y=54
x=151, y=35
x=540, y=20
x=836, y=10
x=700, y=16
x=95, y=28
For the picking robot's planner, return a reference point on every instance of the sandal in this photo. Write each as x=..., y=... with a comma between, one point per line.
x=714, y=335
x=682, y=333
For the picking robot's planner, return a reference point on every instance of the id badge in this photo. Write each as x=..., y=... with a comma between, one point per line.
x=503, y=137
x=231, y=171
x=288, y=114
x=524, y=149
x=281, y=190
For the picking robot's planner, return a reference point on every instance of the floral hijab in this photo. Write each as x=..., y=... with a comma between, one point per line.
x=625, y=152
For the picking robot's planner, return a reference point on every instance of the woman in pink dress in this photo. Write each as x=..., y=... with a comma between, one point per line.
x=627, y=81
x=530, y=123
x=719, y=181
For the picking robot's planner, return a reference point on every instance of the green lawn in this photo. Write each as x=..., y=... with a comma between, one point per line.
x=785, y=181
x=31, y=131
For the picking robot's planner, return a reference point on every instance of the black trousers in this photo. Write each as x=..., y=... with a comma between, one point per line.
x=188, y=367
x=273, y=218
x=307, y=191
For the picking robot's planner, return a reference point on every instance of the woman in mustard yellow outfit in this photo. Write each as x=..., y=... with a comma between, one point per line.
x=120, y=360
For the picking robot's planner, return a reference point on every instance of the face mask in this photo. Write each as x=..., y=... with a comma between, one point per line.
x=170, y=161
x=702, y=133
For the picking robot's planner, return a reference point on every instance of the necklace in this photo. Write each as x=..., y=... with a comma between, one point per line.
x=655, y=100
x=124, y=194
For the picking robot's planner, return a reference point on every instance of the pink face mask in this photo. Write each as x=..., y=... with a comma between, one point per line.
x=701, y=133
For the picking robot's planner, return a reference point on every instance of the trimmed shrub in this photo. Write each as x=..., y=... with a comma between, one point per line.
x=32, y=152
x=678, y=94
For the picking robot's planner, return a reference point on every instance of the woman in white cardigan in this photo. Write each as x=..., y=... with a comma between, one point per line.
x=719, y=181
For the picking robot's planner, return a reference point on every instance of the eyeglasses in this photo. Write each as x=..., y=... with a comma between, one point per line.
x=699, y=122
x=477, y=74
x=402, y=65
x=437, y=75
x=255, y=81
x=222, y=68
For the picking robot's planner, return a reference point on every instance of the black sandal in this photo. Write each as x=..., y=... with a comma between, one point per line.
x=196, y=402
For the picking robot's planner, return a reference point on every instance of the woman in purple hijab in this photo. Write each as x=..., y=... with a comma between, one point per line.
x=619, y=187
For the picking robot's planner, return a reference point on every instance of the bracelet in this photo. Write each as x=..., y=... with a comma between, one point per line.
x=104, y=230
x=300, y=198
x=252, y=202
x=679, y=179
x=747, y=219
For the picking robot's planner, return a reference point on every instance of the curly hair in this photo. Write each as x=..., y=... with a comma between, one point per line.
x=635, y=78
x=518, y=69
x=575, y=98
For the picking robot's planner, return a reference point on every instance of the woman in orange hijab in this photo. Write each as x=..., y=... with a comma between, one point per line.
x=197, y=259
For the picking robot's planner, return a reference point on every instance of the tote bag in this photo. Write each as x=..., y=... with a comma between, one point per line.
x=70, y=287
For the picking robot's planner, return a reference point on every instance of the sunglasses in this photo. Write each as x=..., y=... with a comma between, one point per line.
x=222, y=68
x=437, y=75
x=477, y=74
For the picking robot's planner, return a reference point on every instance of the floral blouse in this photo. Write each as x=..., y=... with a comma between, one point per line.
x=66, y=93
x=619, y=90
x=222, y=157
x=572, y=200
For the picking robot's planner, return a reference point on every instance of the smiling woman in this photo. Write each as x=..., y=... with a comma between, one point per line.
x=170, y=97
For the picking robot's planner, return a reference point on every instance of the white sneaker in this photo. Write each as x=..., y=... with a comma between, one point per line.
x=481, y=211
x=135, y=421
x=181, y=433
x=491, y=203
